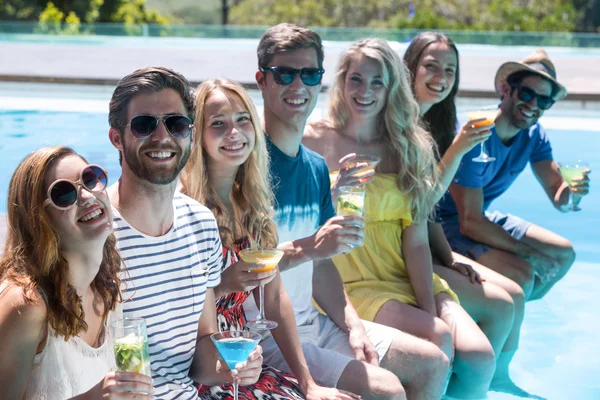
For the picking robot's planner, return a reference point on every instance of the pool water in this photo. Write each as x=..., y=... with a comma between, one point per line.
x=559, y=356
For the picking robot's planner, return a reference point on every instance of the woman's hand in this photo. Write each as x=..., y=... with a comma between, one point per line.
x=358, y=175
x=248, y=372
x=471, y=135
x=467, y=270
x=240, y=278
x=121, y=385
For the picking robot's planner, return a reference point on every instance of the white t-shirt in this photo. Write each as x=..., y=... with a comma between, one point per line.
x=164, y=280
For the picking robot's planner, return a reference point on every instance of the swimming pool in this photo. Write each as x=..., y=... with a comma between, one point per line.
x=559, y=353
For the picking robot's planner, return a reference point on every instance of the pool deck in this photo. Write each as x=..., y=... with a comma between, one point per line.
x=104, y=60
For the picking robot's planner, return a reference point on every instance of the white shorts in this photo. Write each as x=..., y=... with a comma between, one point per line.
x=326, y=348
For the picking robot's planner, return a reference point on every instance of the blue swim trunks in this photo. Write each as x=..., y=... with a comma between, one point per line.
x=515, y=226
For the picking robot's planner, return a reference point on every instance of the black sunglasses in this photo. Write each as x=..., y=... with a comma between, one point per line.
x=527, y=94
x=64, y=194
x=286, y=75
x=142, y=126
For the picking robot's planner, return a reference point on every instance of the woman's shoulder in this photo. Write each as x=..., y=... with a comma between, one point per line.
x=22, y=310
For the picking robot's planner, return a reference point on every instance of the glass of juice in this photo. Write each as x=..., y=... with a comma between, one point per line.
x=570, y=170
x=130, y=344
x=235, y=347
x=351, y=200
x=490, y=116
x=267, y=259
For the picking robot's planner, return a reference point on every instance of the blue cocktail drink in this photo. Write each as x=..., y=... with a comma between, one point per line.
x=235, y=347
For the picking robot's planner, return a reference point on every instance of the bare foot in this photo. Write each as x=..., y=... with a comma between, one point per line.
x=508, y=386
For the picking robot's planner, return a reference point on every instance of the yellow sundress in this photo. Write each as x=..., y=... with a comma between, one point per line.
x=375, y=273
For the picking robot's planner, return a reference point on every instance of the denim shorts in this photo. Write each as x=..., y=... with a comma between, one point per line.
x=515, y=226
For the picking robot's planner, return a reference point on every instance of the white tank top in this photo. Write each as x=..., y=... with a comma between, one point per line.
x=65, y=369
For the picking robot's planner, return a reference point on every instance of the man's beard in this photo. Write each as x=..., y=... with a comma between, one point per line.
x=157, y=176
x=518, y=120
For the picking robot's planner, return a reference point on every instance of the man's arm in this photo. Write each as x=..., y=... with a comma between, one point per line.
x=206, y=367
x=330, y=295
x=338, y=235
x=474, y=224
x=548, y=175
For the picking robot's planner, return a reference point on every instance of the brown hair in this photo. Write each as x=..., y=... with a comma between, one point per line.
x=147, y=80
x=441, y=118
x=288, y=37
x=32, y=258
x=251, y=191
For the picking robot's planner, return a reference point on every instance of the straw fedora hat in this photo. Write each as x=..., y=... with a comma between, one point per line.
x=537, y=62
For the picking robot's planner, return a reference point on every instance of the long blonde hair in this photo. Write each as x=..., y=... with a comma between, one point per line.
x=397, y=125
x=32, y=258
x=251, y=191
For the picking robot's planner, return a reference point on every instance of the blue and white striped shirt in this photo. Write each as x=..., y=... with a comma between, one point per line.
x=164, y=280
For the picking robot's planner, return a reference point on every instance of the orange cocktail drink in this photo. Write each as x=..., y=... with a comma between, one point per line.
x=266, y=258
x=489, y=115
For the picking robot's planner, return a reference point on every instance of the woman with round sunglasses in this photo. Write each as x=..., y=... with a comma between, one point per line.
x=228, y=172
x=59, y=285
x=432, y=58
x=390, y=279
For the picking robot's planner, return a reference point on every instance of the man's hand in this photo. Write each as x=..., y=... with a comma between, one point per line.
x=364, y=350
x=543, y=265
x=339, y=235
x=248, y=372
x=580, y=187
x=316, y=392
x=240, y=278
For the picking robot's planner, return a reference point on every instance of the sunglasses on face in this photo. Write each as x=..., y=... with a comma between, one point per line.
x=286, y=75
x=142, y=126
x=527, y=94
x=64, y=194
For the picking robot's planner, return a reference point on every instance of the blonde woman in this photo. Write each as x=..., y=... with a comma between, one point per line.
x=390, y=279
x=228, y=172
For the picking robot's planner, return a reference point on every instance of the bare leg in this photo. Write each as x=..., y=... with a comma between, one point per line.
x=371, y=382
x=512, y=267
x=420, y=365
x=502, y=381
x=488, y=304
x=555, y=246
x=420, y=323
x=474, y=363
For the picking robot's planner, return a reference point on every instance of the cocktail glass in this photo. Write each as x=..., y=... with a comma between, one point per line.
x=268, y=260
x=235, y=347
x=365, y=161
x=570, y=170
x=130, y=344
x=490, y=116
x=351, y=200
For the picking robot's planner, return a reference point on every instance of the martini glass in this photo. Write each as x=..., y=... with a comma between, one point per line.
x=235, y=347
x=365, y=161
x=570, y=170
x=490, y=116
x=267, y=259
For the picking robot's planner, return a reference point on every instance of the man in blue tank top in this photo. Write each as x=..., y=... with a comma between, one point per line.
x=532, y=256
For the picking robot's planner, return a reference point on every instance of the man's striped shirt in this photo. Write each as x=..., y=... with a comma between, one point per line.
x=164, y=280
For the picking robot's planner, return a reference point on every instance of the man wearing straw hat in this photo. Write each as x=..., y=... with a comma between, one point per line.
x=532, y=256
